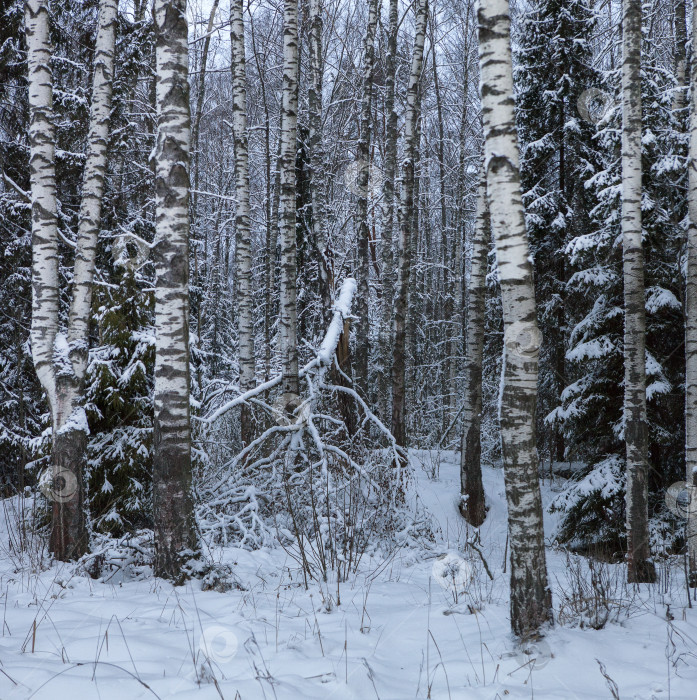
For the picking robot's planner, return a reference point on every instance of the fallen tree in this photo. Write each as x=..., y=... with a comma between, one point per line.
x=322, y=490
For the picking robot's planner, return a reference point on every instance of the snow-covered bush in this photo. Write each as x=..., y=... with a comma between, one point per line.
x=322, y=485
x=593, y=593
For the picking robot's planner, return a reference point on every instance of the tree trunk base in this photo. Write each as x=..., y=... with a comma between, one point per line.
x=473, y=509
x=641, y=572
x=69, y=538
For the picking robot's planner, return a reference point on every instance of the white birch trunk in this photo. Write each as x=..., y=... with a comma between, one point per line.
x=42, y=138
x=406, y=225
x=531, y=600
x=317, y=155
x=200, y=99
x=288, y=316
x=691, y=324
x=242, y=224
x=472, y=503
x=388, y=213
x=92, y=187
x=680, y=19
x=172, y=499
x=363, y=178
x=60, y=359
x=640, y=567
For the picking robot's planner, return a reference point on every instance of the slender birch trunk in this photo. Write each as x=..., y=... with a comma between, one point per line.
x=388, y=212
x=680, y=94
x=472, y=502
x=531, y=600
x=175, y=539
x=460, y=297
x=200, y=98
x=317, y=164
x=60, y=358
x=242, y=223
x=271, y=228
x=444, y=312
x=406, y=226
x=691, y=324
x=640, y=567
x=363, y=180
x=288, y=317
x=44, y=322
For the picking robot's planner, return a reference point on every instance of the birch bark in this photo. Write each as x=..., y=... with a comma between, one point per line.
x=61, y=357
x=175, y=539
x=200, y=99
x=680, y=19
x=288, y=317
x=444, y=310
x=406, y=224
x=363, y=179
x=472, y=503
x=316, y=147
x=242, y=222
x=531, y=600
x=388, y=211
x=691, y=324
x=639, y=565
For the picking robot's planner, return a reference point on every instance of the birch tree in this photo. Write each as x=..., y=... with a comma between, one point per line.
x=60, y=355
x=691, y=324
x=316, y=146
x=640, y=567
x=680, y=21
x=175, y=539
x=531, y=600
x=472, y=502
x=242, y=225
x=406, y=224
x=363, y=162
x=388, y=208
x=288, y=317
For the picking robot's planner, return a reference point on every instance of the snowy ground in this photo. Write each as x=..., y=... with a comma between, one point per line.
x=399, y=631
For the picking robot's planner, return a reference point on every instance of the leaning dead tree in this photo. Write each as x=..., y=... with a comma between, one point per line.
x=60, y=354
x=175, y=539
x=307, y=457
x=531, y=600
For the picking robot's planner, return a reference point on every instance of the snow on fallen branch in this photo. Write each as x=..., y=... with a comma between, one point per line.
x=309, y=468
x=342, y=311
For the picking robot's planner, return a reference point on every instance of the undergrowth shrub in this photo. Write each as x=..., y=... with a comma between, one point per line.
x=592, y=593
